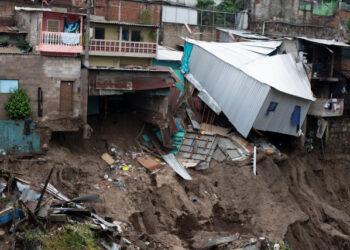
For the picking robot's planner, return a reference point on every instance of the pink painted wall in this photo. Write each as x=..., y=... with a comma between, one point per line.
x=60, y=17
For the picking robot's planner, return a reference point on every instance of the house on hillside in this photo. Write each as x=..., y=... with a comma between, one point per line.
x=254, y=90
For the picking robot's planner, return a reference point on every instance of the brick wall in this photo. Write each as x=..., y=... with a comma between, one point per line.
x=130, y=11
x=171, y=33
x=46, y=72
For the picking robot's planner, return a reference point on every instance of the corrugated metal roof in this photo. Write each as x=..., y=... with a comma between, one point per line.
x=280, y=71
x=283, y=74
x=166, y=54
x=245, y=34
x=324, y=41
x=123, y=23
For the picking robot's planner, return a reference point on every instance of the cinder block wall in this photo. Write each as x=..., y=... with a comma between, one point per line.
x=47, y=72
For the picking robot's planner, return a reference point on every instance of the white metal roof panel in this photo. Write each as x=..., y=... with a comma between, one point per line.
x=244, y=34
x=282, y=73
x=166, y=54
x=325, y=41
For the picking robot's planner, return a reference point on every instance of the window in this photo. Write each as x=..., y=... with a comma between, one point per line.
x=125, y=34
x=136, y=36
x=53, y=25
x=99, y=33
x=6, y=86
x=272, y=107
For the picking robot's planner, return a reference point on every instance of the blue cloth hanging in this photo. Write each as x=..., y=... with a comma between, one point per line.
x=295, y=120
x=186, y=58
x=71, y=27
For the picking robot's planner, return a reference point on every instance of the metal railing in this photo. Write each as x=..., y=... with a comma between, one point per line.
x=60, y=38
x=116, y=46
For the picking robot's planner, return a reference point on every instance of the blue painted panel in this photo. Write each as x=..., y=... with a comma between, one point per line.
x=13, y=139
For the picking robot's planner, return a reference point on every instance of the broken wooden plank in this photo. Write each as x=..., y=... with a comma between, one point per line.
x=176, y=166
x=215, y=129
x=108, y=159
x=148, y=163
x=44, y=189
x=193, y=119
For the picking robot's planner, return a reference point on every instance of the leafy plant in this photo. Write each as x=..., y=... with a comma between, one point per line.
x=18, y=105
x=70, y=237
x=146, y=17
x=153, y=35
x=204, y=4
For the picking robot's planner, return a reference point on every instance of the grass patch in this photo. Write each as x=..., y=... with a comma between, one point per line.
x=70, y=237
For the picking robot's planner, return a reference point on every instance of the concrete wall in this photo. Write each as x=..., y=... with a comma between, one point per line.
x=339, y=135
x=31, y=23
x=127, y=11
x=171, y=33
x=286, y=18
x=46, y=72
x=112, y=32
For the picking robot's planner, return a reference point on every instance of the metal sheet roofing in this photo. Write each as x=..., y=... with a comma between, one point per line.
x=325, y=41
x=280, y=71
x=167, y=54
x=283, y=74
x=98, y=20
x=245, y=34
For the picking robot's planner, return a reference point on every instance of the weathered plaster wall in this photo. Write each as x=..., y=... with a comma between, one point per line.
x=46, y=72
x=171, y=34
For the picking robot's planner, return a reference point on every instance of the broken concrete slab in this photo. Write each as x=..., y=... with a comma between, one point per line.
x=176, y=166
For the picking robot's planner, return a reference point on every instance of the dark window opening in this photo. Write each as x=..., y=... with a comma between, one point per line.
x=125, y=34
x=136, y=36
x=272, y=107
x=99, y=33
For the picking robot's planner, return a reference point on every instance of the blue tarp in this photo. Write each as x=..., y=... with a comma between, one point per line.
x=295, y=119
x=186, y=58
x=71, y=27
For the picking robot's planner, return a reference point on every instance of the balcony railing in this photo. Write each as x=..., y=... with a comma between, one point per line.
x=122, y=48
x=327, y=107
x=60, y=42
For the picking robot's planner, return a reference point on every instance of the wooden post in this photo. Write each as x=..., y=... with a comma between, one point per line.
x=254, y=161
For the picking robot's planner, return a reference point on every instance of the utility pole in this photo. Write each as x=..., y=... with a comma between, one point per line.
x=87, y=34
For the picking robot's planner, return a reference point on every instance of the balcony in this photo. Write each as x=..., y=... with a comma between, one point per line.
x=60, y=42
x=122, y=48
x=327, y=107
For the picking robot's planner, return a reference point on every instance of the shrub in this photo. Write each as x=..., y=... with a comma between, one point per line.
x=18, y=105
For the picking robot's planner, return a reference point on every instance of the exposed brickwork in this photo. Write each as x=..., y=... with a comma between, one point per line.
x=130, y=11
x=46, y=72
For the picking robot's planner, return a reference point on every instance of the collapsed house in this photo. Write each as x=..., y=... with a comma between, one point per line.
x=254, y=90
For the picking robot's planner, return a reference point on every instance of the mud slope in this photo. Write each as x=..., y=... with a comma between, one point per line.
x=300, y=200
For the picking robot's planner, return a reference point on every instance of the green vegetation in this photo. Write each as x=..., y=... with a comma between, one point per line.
x=146, y=17
x=18, y=105
x=70, y=237
x=205, y=4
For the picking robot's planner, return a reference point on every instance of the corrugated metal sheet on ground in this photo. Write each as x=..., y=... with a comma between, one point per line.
x=12, y=137
x=228, y=150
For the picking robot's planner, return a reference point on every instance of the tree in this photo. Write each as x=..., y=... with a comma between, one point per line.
x=18, y=105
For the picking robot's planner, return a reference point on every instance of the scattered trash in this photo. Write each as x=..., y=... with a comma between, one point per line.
x=193, y=200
